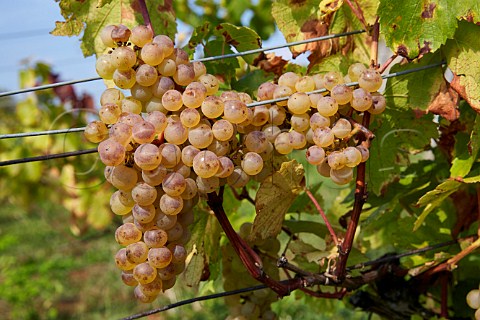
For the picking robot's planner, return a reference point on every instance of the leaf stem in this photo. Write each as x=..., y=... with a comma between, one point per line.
x=358, y=12
x=387, y=63
x=145, y=15
x=374, y=47
x=324, y=216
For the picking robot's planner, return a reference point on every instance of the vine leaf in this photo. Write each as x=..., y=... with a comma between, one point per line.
x=434, y=198
x=463, y=57
x=91, y=16
x=462, y=164
x=242, y=38
x=203, y=247
x=275, y=195
x=414, y=28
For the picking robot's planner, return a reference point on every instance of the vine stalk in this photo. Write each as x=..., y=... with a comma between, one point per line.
x=145, y=15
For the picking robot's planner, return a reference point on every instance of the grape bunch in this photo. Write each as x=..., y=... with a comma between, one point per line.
x=168, y=136
x=473, y=301
x=256, y=304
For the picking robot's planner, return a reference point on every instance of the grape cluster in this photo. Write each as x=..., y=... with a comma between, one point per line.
x=473, y=301
x=249, y=305
x=175, y=137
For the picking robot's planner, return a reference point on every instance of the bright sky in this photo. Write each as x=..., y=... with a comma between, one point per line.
x=24, y=34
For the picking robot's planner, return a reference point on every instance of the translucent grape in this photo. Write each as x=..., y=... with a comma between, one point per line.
x=378, y=104
x=174, y=184
x=152, y=54
x=327, y=106
x=336, y=160
x=127, y=233
x=342, y=128
x=252, y=163
x=319, y=80
x=200, y=136
x=331, y=79
x=205, y=164
x=117, y=207
x=184, y=74
x=111, y=152
x=365, y=153
x=362, y=100
x=143, y=214
x=146, y=75
x=149, y=290
x=342, y=94
x=298, y=103
x=265, y=91
x=141, y=35
x=370, y=80
x=121, y=132
x=104, y=66
x=271, y=132
x=165, y=221
x=122, y=262
x=188, y=154
x=319, y=121
x=144, y=272
x=106, y=36
x=226, y=167
x=130, y=118
x=212, y=107
x=144, y=194
x=175, y=133
x=353, y=156
x=130, y=104
x=123, y=58
x=323, y=137
x=260, y=115
x=109, y=113
x=220, y=148
x=171, y=155
x=235, y=111
x=155, y=238
x=96, y=131
x=165, y=42
x=199, y=69
x=171, y=205
x=194, y=95
x=315, y=155
x=172, y=100
x=305, y=84
x=125, y=197
x=124, y=79
x=111, y=95
x=255, y=141
x=341, y=176
x=282, y=92
x=277, y=115
x=297, y=139
x=140, y=296
x=143, y=132
x=123, y=177
x=288, y=79
x=210, y=82
x=167, y=68
x=238, y=178
x=120, y=33
x=137, y=252
x=158, y=119
x=300, y=122
x=323, y=168
x=283, y=144
x=190, y=190
x=128, y=278
x=355, y=70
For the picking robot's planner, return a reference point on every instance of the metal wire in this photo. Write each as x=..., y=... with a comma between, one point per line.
x=226, y=56
x=48, y=157
x=40, y=133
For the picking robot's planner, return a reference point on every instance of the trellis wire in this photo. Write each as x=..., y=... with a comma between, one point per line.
x=40, y=133
x=250, y=105
x=259, y=287
x=226, y=56
x=48, y=157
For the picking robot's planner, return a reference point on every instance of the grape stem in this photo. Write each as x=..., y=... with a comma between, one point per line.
x=324, y=216
x=374, y=47
x=358, y=127
x=247, y=255
x=387, y=63
x=145, y=15
x=358, y=12
x=243, y=195
x=360, y=199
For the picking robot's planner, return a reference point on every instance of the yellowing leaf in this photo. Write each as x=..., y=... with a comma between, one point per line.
x=274, y=197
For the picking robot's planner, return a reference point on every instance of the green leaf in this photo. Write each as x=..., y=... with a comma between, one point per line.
x=434, y=198
x=203, y=246
x=250, y=82
x=463, y=58
x=414, y=27
x=91, y=16
x=275, y=195
x=462, y=164
x=242, y=38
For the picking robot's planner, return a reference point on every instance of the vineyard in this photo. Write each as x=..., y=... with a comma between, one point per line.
x=216, y=179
